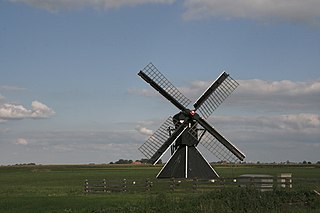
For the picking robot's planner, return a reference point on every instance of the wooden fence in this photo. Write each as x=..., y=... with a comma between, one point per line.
x=124, y=185
x=183, y=185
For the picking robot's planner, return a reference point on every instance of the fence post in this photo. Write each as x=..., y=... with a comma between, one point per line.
x=104, y=185
x=124, y=185
x=172, y=184
x=148, y=185
x=195, y=184
x=86, y=186
x=252, y=182
x=223, y=182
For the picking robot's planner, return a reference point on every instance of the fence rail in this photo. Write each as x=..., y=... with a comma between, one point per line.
x=182, y=185
x=124, y=185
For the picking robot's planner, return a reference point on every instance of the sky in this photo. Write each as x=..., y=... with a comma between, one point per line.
x=70, y=93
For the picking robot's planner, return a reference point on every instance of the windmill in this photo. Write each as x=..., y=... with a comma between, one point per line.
x=184, y=131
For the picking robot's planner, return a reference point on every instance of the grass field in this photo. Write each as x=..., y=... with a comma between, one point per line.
x=60, y=188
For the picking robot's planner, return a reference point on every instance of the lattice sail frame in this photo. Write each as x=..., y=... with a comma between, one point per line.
x=213, y=145
x=157, y=139
x=151, y=71
x=218, y=95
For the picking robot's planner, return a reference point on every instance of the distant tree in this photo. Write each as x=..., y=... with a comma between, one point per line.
x=143, y=161
x=146, y=161
x=304, y=162
x=318, y=162
x=123, y=161
x=120, y=161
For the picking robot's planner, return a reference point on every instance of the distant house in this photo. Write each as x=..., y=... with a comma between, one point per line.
x=136, y=163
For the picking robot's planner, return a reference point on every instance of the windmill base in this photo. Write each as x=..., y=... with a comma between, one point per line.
x=187, y=162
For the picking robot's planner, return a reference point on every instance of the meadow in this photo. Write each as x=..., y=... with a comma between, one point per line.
x=60, y=188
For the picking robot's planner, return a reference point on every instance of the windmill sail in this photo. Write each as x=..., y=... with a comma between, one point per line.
x=216, y=143
x=157, y=139
x=159, y=82
x=157, y=145
x=216, y=93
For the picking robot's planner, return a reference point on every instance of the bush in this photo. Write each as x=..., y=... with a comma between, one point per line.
x=233, y=200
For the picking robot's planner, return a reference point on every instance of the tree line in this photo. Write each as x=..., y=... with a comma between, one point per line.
x=145, y=161
x=125, y=161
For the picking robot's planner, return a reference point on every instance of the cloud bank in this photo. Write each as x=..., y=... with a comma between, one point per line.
x=278, y=96
x=15, y=111
x=289, y=124
x=293, y=137
x=57, y=5
x=259, y=95
x=268, y=120
x=273, y=138
x=292, y=10
x=88, y=146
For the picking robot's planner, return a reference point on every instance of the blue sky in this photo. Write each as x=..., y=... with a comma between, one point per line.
x=69, y=90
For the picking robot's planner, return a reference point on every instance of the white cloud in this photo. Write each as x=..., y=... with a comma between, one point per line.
x=40, y=110
x=15, y=111
x=293, y=10
x=12, y=111
x=144, y=130
x=278, y=95
x=284, y=87
x=272, y=138
x=287, y=123
x=22, y=141
x=57, y=5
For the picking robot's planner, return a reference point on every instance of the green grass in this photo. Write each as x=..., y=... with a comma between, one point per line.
x=60, y=188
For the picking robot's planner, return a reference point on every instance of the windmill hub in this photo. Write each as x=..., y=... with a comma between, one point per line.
x=185, y=117
x=185, y=130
